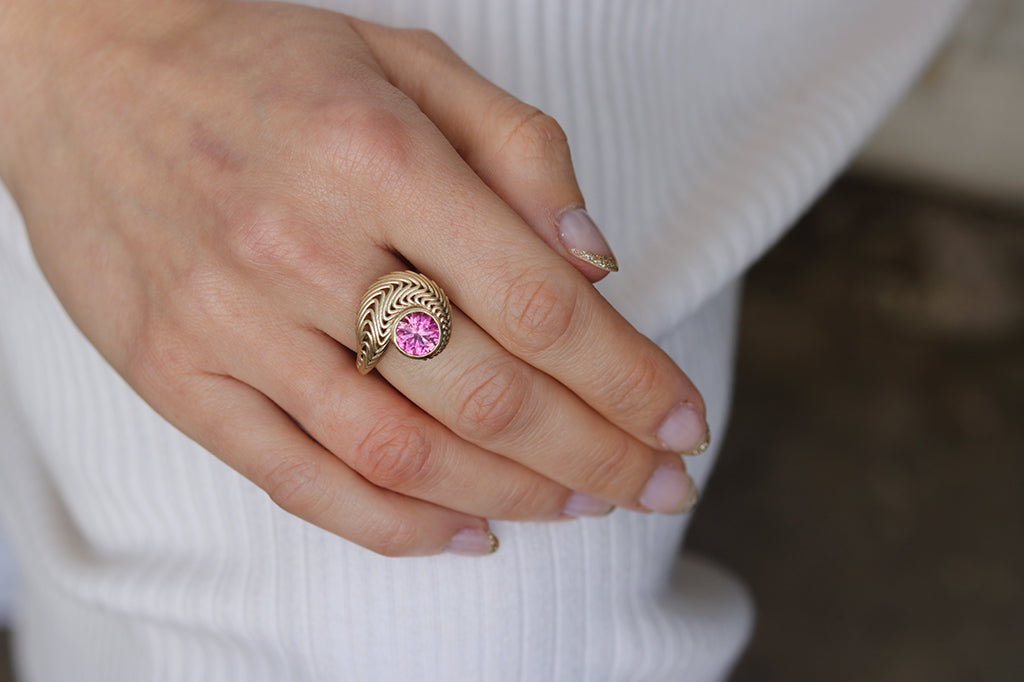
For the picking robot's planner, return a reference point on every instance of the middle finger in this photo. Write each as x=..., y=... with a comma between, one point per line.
x=493, y=399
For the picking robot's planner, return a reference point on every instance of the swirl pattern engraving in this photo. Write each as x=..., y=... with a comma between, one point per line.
x=386, y=302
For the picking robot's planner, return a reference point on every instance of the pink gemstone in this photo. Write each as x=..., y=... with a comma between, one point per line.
x=417, y=334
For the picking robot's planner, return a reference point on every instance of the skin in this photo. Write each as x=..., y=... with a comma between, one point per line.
x=209, y=187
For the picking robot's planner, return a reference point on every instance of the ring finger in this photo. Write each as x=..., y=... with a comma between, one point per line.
x=390, y=442
x=494, y=400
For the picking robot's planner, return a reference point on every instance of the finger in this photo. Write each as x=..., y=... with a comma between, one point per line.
x=520, y=152
x=256, y=438
x=491, y=398
x=386, y=439
x=525, y=298
x=520, y=294
x=493, y=267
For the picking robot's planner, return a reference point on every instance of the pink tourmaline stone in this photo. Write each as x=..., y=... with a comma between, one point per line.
x=417, y=334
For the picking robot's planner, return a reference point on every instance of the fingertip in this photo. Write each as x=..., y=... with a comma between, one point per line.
x=684, y=430
x=593, y=273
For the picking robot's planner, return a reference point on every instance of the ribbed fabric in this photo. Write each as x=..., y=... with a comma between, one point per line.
x=700, y=129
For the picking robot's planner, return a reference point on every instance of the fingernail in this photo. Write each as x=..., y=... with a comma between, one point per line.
x=473, y=542
x=585, y=505
x=691, y=499
x=668, y=491
x=584, y=240
x=702, y=446
x=683, y=430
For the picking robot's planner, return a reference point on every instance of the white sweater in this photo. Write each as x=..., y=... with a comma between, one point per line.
x=700, y=129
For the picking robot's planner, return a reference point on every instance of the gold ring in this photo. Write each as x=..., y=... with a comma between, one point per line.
x=408, y=309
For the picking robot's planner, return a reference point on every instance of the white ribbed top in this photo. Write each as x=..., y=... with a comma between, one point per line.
x=700, y=129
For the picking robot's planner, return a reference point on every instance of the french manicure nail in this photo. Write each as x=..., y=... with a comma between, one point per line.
x=473, y=542
x=582, y=238
x=691, y=499
x=702, y=446
x=683, y=431
x=667, y=491
x=585, y=505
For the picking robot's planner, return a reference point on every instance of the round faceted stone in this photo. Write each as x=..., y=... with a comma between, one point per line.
x=417, y=334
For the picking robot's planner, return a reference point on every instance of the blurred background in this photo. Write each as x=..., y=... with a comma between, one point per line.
x=871, y=486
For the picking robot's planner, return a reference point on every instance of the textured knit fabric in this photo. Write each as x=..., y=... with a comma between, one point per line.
x=700, y=129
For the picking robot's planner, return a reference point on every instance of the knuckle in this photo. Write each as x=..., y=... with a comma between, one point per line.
x=371, y=144
x=295, y=484
x=426, y=40
x=533, y=135
x=157, y=358
x=539, y=311
x=630, y=395
x=394, y=455
x=394, y=537
x=495, y=399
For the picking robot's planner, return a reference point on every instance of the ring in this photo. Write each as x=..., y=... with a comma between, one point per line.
x=407, y=308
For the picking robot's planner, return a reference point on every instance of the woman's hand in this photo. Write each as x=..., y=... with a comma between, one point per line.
x=210, y=186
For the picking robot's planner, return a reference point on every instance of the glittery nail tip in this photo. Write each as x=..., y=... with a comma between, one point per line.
x=583, y=239
x=606, y=263
x=702, y=447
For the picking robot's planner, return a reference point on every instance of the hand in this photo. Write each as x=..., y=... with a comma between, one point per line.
x=210, y=186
